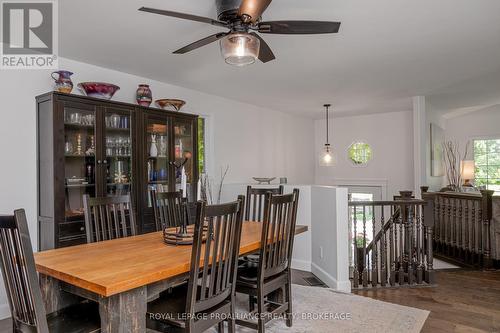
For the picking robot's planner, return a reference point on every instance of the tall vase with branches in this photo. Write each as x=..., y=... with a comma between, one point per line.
x=207, y=194
x=452, y=159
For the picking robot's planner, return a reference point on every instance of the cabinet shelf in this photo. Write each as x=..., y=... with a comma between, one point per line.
x=78, y=156
x=158, y=182
x=79, y=126
x=121, y=130
x=79, y=185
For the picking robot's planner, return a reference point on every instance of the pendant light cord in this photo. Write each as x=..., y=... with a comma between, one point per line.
x=327, y=106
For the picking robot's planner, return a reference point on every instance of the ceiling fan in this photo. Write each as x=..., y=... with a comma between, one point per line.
x=241, y=45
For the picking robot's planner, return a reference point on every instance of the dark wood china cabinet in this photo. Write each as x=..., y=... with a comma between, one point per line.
x=101, y=148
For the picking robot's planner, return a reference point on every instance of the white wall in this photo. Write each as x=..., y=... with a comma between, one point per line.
x=330, y=236
x=475, y=125
x=253, y=141
x=391, y=138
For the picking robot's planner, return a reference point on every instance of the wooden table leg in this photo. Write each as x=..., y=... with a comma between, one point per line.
x=54, y=297
x=124, y=312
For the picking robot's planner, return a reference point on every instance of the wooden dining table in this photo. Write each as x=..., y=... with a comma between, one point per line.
x=122, y=275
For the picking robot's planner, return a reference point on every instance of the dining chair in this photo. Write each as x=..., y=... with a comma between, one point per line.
x=169, y=209
x=108, y=218
x=208, y=299
x=272, y=274
x=23, y=291
x=254, y=210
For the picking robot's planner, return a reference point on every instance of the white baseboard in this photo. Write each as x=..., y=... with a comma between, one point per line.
x=329, y=280
x=4, y=311
x=302, y=265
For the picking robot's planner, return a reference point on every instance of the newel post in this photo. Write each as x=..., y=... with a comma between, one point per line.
x=428, y=218
x=406, y=223
x=487, y=209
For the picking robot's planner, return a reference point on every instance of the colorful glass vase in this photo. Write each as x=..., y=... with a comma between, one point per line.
x=63, y=81
x=144, y=95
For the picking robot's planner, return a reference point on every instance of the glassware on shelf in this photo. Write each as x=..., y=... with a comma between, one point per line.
x=79, y=148
x=124, y=122
x=68, y=148
x=91, y=150
x=162, y=174
x=75, y=118
x=89, y=172
x=150, y=170
x=162, y=146
x=88, y=120
x=120, y=176
x=114, y=121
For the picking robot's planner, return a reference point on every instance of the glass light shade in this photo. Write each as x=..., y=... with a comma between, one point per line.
x=240, y=48
x=468, y=169
x=326, y=157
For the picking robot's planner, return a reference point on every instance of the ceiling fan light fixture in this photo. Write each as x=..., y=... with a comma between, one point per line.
x=240, y=49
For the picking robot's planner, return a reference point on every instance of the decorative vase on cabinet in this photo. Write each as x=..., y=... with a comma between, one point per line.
x=153, y=151
x=144, y=95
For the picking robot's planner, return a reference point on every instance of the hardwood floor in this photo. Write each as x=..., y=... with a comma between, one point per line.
x=462, y=301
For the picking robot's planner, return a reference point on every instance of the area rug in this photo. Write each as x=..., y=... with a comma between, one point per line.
x=323, y=310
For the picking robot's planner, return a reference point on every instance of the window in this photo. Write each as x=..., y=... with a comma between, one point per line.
x=360, y=153
x=201, y=146
x=487, y=164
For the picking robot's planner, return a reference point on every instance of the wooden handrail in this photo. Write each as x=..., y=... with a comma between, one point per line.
x=388, y=203
x=463, y=229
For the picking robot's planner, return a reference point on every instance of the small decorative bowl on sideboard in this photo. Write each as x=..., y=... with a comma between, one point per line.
x=98, y=89
x=170, y=104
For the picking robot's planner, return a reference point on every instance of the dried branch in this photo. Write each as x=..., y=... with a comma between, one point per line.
x=453, y=161
x=206, y=187
x=221, y=184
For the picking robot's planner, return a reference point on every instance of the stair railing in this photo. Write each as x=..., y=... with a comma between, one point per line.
x=463, y=229
x=390, y=244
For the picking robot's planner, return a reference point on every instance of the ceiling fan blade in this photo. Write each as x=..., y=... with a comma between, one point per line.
x=184, y=16
x=265, y=52
x=252, y=9
x=299, y=27
x=200, y=43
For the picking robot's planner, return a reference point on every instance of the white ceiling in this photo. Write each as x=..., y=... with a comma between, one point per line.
x=386, y=52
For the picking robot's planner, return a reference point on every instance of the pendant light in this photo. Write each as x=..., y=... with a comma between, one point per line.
x=326, y=157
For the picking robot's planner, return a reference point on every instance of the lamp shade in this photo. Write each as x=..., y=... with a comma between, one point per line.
x=326, y=157
x=467, y=168
x=240, y=49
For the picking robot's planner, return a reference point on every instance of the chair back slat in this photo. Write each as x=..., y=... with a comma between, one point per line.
x=254, y=210
x=215, y=254
x=278, y=232
x=169, y=209
x=108, y=218
x=19, y=273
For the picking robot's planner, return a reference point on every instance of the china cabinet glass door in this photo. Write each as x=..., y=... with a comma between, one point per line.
x=184, y=167
x=118, y=152
x=79, y=159
x=156, y=156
